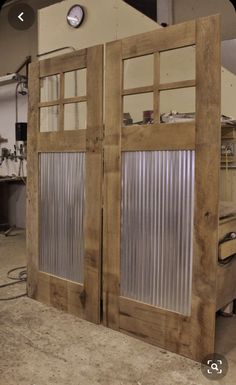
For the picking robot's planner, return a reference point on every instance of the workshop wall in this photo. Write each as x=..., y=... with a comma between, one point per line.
x=15, y=44
x=104, y=21
x=184, y=10
x=107, y=21
x=16, y=194
x=7, y=124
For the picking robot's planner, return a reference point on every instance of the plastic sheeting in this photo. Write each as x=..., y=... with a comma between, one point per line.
x=157, y=228
x=62, y=197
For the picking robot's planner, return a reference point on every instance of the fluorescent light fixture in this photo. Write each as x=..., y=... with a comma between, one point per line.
x=11, y=78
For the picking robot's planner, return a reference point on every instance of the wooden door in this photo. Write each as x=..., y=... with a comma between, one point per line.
x=65, y=181
x=146, y=153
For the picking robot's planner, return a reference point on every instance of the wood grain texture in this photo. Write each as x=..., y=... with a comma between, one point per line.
x=81, y=300
x=176, y=136
x=228, y=132
x=207, y=163
x=49, y=104
x=62, y=95
x=226, y=226
x=190, y=336
x=227, y=249
x=32, y=238
x=226, y=287
x=62, y=141
x=156, y=95
x=76, y=99
x=60, y=293
x=175, y=36
x=94, y=169
x=167, y=329
x=154, y=325
x=63, y=63
x=138, y=90
x=112, y=176
x=177, y=85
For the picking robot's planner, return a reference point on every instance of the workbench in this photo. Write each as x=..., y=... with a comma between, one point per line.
x=4, y=194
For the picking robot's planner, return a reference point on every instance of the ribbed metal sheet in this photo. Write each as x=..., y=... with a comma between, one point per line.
x=157, y=228
x=62, y=187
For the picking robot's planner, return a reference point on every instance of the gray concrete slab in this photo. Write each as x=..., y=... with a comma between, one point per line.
x=40, y=345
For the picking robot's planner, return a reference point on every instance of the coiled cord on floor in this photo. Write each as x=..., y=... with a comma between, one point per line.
x=20, y=278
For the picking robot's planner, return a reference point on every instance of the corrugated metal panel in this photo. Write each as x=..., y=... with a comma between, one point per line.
x=62, y=184
x=157, y=228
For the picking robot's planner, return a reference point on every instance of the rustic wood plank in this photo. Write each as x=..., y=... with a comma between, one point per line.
x=158, y=86
x=61, y=108
x=175, y=36
x=112, y=194
x=156, y=96
x=63, y=63
x=227, y=225
x=32, y=183
x=226, y=285
x=228, y=132
x=177, y=85
x=81, y=300
x=227, y=249
x=156, y=326
x=49, y=104
x=144, y=330
x=148, y=313
x=94, y=163
x=77, y=99
x=207, y=165
x=60, y=293
x=62, y=141
x=43, y=292
x=138, y=90
x=176, y=136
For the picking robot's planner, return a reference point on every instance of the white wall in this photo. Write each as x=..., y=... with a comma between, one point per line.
x=105, y=21
x=228, y=93
x=192, y=9
x=228, y=54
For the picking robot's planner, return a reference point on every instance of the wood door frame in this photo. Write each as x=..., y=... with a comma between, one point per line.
x=82, y=300
x=191, y=336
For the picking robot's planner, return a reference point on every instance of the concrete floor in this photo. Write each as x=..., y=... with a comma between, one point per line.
x=43, y=346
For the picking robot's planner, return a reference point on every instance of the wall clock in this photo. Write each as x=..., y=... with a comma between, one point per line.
x=75, y=16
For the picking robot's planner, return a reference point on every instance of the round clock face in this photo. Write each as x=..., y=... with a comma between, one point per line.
x=75, y=16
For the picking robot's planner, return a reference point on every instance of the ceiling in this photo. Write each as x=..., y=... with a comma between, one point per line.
x=147, y=7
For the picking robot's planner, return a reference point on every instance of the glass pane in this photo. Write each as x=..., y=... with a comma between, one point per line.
x=75, y=83
x=75, y=116
x=49, y=118
x=177, y=65
x=138, y=72
x=180, y=102
x=138, y=109
x=50, y=88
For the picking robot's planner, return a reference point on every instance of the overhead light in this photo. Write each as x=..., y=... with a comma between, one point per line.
x=11, y=78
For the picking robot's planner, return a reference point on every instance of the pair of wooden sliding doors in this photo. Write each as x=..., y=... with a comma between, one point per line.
x=125, y=221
